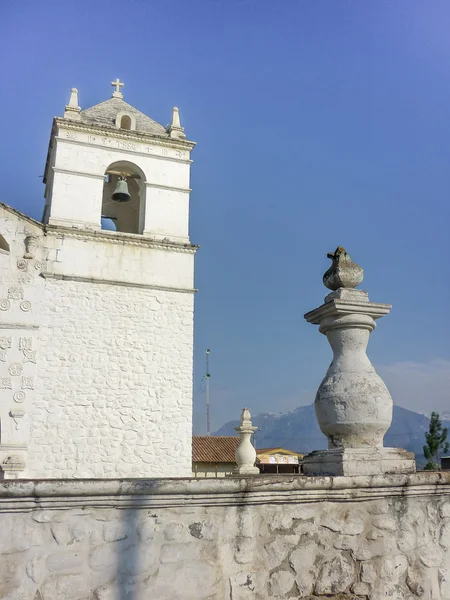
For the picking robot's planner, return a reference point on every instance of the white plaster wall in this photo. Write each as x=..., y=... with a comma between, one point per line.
x=116, y=257
x=301, y=538
x=82, y=200
x=79, y=151
x=104, y=370
x=167, y=207
x=115, y=383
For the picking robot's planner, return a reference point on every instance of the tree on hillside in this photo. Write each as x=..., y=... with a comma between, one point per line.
x=436, y=442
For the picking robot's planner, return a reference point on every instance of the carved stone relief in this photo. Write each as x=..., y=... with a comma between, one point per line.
x=29, y=356
x=25, y=343
x=5, y=383
x=19, y=397
x=21, y=371
x=5, y=342
x=25, y=278
x=17, y=356
x=25, y=306
x=15, y=293
x=15, y=369
x=27, y=383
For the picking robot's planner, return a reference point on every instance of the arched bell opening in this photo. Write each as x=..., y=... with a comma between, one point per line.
x=123, y=201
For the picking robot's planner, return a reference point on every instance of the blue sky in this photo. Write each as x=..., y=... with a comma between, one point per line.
x=318, y=124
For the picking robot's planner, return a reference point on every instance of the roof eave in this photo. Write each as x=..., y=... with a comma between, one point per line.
x=21, y=215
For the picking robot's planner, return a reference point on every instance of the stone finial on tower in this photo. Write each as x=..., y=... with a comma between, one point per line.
x=353, y=405
x=174, y=129
x=73, y=111
x=245, y=453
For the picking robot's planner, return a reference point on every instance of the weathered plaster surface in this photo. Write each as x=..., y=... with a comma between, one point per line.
x=253, y=538
x=115, y=386
x=96, y=335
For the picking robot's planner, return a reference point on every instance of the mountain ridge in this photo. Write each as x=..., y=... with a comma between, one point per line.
x=299, y=431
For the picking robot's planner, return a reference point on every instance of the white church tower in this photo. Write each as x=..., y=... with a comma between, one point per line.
x=96, y=335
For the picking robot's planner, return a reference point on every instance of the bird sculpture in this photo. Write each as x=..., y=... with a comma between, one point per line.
x=343, y=273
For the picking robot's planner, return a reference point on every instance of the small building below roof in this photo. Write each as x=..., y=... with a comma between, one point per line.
x=445, y=463
x=213, y=456
x=278, y=460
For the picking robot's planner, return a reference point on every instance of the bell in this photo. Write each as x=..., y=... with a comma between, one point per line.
x=121, y=193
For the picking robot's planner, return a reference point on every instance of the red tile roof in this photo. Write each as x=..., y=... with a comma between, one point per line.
x=214, y=449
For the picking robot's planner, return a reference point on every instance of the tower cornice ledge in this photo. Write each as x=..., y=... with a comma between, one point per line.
x=138, y=136
x=117, y=237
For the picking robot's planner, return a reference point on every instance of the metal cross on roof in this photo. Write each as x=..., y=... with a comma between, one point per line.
x=117, y=84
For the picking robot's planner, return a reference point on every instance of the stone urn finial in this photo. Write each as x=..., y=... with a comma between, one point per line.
x=31, y=243
x=245, y=453
x=343, y=273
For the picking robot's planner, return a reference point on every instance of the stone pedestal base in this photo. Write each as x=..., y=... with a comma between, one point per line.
x=12, y=466
x=245, y=470
x=359, y=461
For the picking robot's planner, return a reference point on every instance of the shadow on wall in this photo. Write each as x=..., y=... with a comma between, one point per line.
x=151, y=554
x=128, y=549
x=130, y=557
x=131, y=553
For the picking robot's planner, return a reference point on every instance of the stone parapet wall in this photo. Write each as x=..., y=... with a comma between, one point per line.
x=227, y=539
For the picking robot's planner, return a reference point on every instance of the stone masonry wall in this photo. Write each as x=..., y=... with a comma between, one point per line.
x=232, y=539
x=114, y=392
x=96, y=344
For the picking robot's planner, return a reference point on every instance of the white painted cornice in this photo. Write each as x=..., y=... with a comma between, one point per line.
x=128, y=284
x=117, y=237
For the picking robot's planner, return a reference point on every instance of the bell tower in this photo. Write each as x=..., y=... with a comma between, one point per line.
x=97, y=303
x=113, y=162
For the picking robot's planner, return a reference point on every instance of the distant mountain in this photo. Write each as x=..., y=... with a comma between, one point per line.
x=298, y=430
x=444, y=415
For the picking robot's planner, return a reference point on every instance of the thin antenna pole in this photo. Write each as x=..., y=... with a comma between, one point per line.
x=207, y=376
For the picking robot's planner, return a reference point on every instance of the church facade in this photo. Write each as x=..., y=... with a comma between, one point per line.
x=96, y=337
